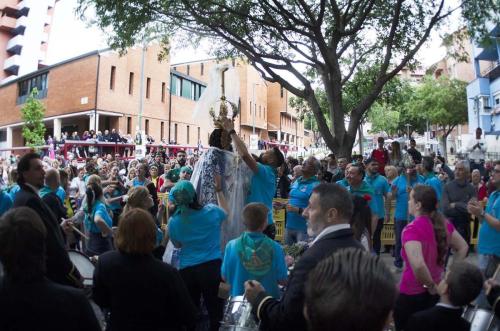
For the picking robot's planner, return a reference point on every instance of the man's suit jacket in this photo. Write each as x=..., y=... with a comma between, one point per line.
x=60, y=269
x=438, y=318
x=287, y=314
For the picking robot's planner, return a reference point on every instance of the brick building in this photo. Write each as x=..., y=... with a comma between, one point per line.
x=264, y=106
x=95, y=90
x=103, y=90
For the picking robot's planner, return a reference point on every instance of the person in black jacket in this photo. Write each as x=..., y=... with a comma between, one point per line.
x=141, y=292
x=60, y=269
x=28, y=300
x=461, y=285
x=328, y=214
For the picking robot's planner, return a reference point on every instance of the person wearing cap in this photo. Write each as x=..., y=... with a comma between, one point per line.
x=196, y=229
x=263, y=182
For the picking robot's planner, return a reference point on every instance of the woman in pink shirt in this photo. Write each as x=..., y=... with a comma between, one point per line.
x=426, y=241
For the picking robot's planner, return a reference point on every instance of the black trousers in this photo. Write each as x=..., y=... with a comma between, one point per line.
x=270, y=231
x=376, y=236
x=204, y=279
x=407, y=305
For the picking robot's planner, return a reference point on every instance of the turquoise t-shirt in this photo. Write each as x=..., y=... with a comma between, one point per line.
x=361, y=191
x=5, y=202
x=136, y=182
x=380, y=187
x=300, y=192
x=99, y=209
x=489, y=238
x=263, y=188
x=198, y=232
x=13, y=191
x=343, y=182
x=234, y=272
x=433, y=181
x=401, y=212
x=61, y=194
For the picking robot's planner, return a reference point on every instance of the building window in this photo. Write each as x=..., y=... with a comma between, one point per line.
x=281, y=92
x=187, y=89
x=233, y=62
x=175, y=132
x=131, y=83
x=198, y=135
x=162, y=92
x=187, y=134
x=162, y=128
x=260, y=112
x=175, y=86
x=148, y=87
x=146, y=127
x=202, y=68
x=496, y=100
x=129, y=125
x=250, y=109
x=112, y=78
x=187, y=69
x=26, y=86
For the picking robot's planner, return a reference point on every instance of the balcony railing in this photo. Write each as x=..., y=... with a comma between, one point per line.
x=15, y=44
x=492, y=71
x=21, y=24
x=23, y=8
x=12, y=64
x=7, y=23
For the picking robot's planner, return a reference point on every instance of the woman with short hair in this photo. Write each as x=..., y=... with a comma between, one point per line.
x=97, y=221
x=141, y=292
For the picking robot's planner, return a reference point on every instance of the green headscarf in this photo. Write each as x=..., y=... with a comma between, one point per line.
x=256, y=254
x=182, y=195
x=187, y=169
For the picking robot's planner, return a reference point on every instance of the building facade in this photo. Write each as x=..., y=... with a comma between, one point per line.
x=264, y=106
x=100, y=90
x=483, y=93
x=24, y=36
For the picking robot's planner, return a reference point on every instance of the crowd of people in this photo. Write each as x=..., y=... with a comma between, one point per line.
x=161, y=262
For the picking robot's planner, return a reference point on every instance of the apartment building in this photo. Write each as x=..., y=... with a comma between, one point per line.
x=99, y=90
x=483, y=93
x=24, y=36
x=264, y=106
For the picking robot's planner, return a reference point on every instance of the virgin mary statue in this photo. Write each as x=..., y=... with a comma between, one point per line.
x=217, y=104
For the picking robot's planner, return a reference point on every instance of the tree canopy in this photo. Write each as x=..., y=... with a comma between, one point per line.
x=298, y=43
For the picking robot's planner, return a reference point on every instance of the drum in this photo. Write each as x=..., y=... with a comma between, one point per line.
x=238, y=316
x=480, y=319
x=84, y=266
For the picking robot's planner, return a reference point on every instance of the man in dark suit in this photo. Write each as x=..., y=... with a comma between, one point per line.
x=462, y=284
x=328, y=215
x=60, y=269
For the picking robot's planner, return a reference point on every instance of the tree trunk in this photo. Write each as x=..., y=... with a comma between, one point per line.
x=345, y=150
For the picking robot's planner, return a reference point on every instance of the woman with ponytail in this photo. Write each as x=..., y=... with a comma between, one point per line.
x=98, y=223
x=426, y=241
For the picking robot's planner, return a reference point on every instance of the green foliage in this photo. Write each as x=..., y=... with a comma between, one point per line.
x=349, y=49
x=442, y=101
x=33, y=112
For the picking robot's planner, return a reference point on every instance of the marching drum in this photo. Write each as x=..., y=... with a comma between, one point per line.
x=238, y=316
x=84, y=266
x=480, y=319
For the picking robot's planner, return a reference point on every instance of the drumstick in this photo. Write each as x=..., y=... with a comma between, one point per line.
x=79, y=232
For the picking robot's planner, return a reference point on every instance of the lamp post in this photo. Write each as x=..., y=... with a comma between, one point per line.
x=408, y=129
x=254, y=107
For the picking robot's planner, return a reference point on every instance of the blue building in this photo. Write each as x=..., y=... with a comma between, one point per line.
x=483, y=93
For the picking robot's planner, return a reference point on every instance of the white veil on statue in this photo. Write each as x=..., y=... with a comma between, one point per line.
x=236, y=175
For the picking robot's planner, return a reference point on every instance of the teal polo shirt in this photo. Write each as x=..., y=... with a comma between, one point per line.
x=380, y=187
x=263, y=188
x=361, y=191
x=300, y=192
x=489, y=238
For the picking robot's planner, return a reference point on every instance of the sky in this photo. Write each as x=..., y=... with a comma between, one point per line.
x=71, y=37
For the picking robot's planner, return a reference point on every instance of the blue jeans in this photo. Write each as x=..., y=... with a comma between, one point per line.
x=482, y=261
x=293, y=236
x=399, y=225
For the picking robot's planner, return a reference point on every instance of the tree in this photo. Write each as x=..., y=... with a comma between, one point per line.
x=290, y=41
x=33, y=112
x=443, y=102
